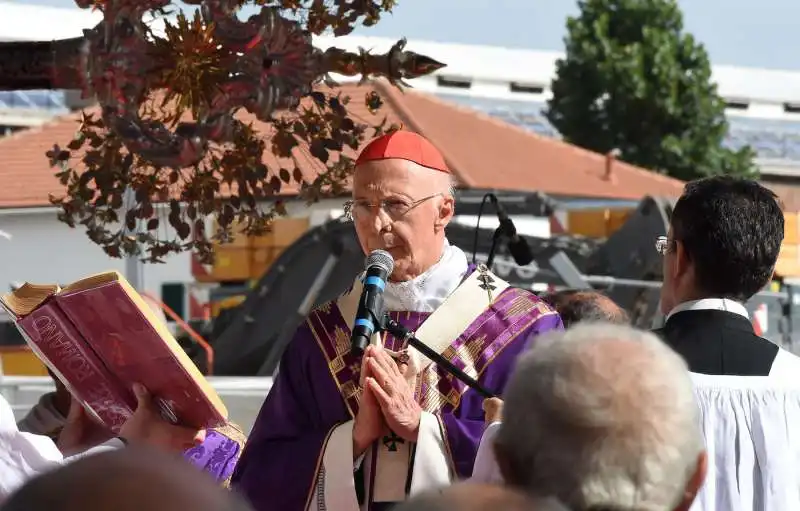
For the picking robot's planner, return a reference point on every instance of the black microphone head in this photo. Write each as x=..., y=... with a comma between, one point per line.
x=520, y=251
x=382, y=259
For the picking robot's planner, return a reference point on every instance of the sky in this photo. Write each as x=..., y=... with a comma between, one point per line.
x=749, y=33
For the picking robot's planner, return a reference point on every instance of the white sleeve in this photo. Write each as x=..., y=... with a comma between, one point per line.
x=431, y=466
x=749, y=424
x=785, y=367
x=26, y=455
x=111, y=445
x=486, y=469
x=22, y=455
x=336, y=485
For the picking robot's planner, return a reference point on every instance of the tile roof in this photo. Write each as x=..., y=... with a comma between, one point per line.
x=483, y=153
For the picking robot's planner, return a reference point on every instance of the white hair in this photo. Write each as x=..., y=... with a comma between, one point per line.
x=601, y=416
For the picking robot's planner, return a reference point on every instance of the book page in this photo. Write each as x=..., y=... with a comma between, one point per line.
x=27, y=298
x=93, y=281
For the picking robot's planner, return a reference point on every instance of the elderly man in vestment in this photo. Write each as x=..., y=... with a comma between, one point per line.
x=346, y=433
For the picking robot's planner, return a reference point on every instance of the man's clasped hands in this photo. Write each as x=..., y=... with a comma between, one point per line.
x=387, y=403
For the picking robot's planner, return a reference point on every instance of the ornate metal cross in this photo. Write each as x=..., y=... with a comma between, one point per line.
x=487, y=283
x=392, y=440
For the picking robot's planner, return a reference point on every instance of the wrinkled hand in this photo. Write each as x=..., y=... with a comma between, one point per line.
x=146, y=426
x=493, y=409
x=369, y=422
x=394, y=395
x=81, y=431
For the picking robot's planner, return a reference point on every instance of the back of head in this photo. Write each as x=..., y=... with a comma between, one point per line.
x=578, y=305
x=476, y=497
x=130, y=479
x=601, y=417
x=731, y=230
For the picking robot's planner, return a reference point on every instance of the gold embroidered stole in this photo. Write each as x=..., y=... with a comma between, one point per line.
x=460, y=330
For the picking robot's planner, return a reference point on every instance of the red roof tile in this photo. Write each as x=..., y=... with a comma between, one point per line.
x=482, y=152
x=490, y=153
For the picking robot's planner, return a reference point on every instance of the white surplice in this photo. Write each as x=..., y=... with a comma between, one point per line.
x=752, y=436
x=25, y=455
x=336, y=484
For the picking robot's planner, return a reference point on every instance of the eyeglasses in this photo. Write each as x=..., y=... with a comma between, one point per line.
x=664, y=245
x=394, y=208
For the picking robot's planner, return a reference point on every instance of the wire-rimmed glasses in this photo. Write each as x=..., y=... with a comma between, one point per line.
x=394, y=208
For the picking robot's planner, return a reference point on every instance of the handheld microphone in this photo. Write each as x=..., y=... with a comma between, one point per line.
x=370, y=307
x=517, y=245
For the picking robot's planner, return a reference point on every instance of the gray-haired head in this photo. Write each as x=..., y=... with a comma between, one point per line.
x=602, y=417
x=477, y=497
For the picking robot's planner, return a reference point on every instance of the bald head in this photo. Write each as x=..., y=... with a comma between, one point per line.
x=602, y=416
x=130, y=479
x=578, y=305
x=428, y=180
x=476, y=497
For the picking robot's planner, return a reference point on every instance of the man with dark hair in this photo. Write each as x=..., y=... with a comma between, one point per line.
x=721, y=249
x=574, y=305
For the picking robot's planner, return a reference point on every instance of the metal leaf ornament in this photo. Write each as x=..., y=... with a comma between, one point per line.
x=174, y=142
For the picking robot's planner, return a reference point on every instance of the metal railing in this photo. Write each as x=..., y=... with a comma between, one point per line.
x=193, y=335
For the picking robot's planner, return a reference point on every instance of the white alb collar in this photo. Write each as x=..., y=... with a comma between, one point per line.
x=722, y=304
x=426, y=292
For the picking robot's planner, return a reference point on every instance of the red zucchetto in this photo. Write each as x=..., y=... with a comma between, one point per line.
x=404, y=145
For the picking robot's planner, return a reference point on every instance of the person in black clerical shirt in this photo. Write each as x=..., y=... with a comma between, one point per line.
x=724, y=238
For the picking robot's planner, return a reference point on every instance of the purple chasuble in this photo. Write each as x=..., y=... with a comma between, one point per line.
x=218, y=454
x=316, y=389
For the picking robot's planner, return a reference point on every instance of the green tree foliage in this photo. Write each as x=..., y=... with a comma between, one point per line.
x=632, y=80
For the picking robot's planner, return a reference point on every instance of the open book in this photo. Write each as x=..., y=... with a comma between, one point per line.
x=99, y=337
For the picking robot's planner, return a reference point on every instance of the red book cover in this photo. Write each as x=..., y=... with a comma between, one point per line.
x=100, y=337
x=128, y=343
x=56, y=341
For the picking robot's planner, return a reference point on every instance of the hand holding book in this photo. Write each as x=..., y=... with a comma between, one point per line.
x=146, y=426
